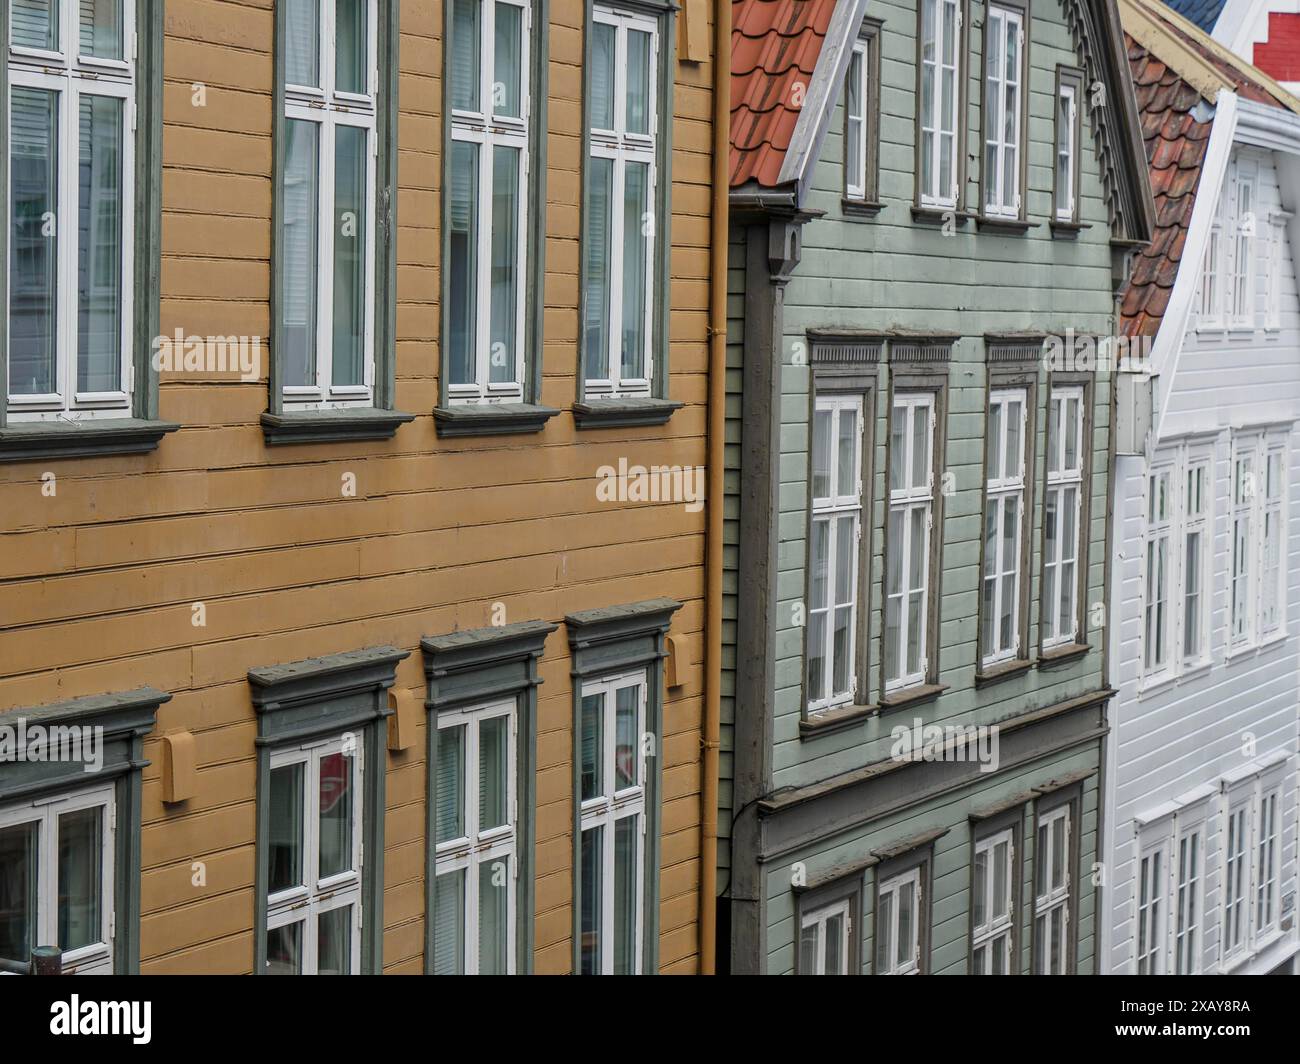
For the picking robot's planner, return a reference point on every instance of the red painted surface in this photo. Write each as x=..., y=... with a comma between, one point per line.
x=1279, y=56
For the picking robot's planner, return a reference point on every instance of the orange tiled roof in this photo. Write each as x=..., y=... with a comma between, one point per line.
x=775, y=45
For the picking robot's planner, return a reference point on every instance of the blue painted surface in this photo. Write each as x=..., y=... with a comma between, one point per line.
x=1205, y=13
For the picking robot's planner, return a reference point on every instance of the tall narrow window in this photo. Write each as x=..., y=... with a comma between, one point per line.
x=834, y=550
x=1187, y=931
x=1159, y=537
x=1272, y=588
x=612, y=798
x=1004, y=44
x=622, y=221
x=898, y=924
x=939, y=140
x=1067, y=150
x=328, y=231
x=70, y=209
x=1210, y=313
x=1004, y=508
x=1268, y=855
x=856, y=87
x=476, y=862
x=1241, y=286
x=1052, y=876
x=1062, y=510
x=56, y=880
x=313, y=891
x=824, y=939
x=1236, y=915
x=487, y=201
x=1152, y=872
x=1196, y=489
x=911, y=516
x=993, y=882
x=1241, y=575
x=1276, y=259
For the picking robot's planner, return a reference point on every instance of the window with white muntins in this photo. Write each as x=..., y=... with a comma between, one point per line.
x=824, y=939
x=941, y=95
x=993, y=889
x=1062, y=511
x=1052, y=888
x=911, y=518
x=898, y=924
x=1004, y=49
x=1256, y=595
x=1004, y=511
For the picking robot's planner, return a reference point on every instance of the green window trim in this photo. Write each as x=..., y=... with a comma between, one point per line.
x=316, y=699
x=126, y=718
x=608, y=642
x=381, y=419
x=592, y=411
x=143, y=430
x=468, y=668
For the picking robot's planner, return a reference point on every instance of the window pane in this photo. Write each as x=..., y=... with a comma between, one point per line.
x=835, y=959
x=81, y=862
x=979, y=889
x=101, y=28
x=626, y=885
x=19, y=871
x=449, y=812
x=897, y=448
x=286, y=819
x=884, y=931
x=351, y=46
x=493, y=772
x=638, y=82
x=301, y=196
x=505, y=261
x=449, y=923
x=808, y=950
x=1070, y=425
x=508, y=59
x=821, y=456
x=600, y=174
x=493, y=915
x=818, y=583
x=99, y=241
x=993, y=464
x=589, y=878
x=284, y=950
x=33, y=251
x=601, y=85
x=463, y=264
x=302, y=44
x=846, y=466
x=817, y=656
x=1001, y=887
x=637, y=227
x=350, y=226
x=920, y=447
x=464, y=70
x=593, y=713
x=626, y=741
x=337, y=803
x=334, y=942
x=905, y=932
x=34, y=24
x=846, y=534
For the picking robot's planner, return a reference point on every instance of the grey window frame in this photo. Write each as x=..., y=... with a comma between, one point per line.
x=982, y=827
x=381, y=420
x=126, y=718
x=656, y=408
x=468, y=668
x=1071, y=795
x=1012, y=363
x=914, y=857
x=482, y=418
x=143, y=430
x=868, y=204
x=918, y=363
x=840, y=886
x=316, y=699
x=606, y=642
x=1077, y=79
x=1018, y=223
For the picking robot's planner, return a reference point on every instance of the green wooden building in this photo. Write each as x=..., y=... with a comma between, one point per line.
x=933, y=203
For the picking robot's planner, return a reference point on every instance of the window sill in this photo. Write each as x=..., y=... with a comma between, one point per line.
x=989, y=223
x=491, y=419
x=913, y=696
x=860, y=208
x=1250, y=650
x=329, y=426
x=623, y=413
x=830, y=721
x=27, y=440
x=1003, y=670
x=1068, y=230
x=1062, y=655
x=938, y=215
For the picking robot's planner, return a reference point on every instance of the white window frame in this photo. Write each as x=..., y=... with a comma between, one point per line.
x=606, y=810
x=1267, y=861
x=1158, y=571
x=1059, y=480
x=1001, y=202
x=829, y=510
x=488, y=130
x=893, y=888
x=817, y=919
x=1010, y=484
x=1237, y=861
x=1278, y=222
x=996, y=925
x=623, y=147
x=72, y=76
x=1251, y=507
x=95, y=958
x=906, y=500
x=855, y=169
x=1242, y=269
x=479, y=846
x=1212, y=299
x=329, y=109
x=1273, y=563
x=309, y=900
x=1193, y=460
x=1151, y=933
x=1064, y=212
x=943, y=126
x=1188, y=924
x=1056, y=896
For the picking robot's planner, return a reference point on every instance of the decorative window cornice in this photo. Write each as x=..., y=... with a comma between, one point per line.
x=619, y=636
x=483, y=663
x=844, y=346
x=1013, y=347
x=326, y=694
x=912, y=347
